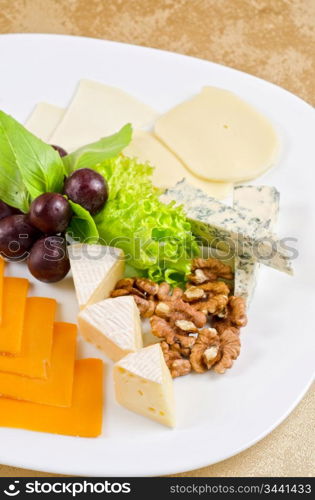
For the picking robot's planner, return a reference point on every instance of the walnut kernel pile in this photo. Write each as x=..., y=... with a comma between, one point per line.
x=179, y=317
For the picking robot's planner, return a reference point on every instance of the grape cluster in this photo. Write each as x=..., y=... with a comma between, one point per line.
x=39, y=236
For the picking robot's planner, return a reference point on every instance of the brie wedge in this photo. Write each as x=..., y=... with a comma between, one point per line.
x=112, y=325
x=143, y=384
x=95, y=270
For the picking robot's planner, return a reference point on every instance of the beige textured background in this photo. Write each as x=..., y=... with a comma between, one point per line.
x=272, y=39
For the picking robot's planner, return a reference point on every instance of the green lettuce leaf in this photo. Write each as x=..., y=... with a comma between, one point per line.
x=155, y=237
x=82, y=226
x=90, y=155
x=29, y=166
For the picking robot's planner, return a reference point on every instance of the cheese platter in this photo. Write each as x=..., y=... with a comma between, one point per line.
x=144, y=228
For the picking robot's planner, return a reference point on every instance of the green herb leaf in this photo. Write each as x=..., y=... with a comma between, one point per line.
x=156, y=238
x=28, y=163
x=12, y=190
x=82, y=225
x=90, y=155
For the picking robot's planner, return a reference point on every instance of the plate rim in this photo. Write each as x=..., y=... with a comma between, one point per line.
x=165, y=471
x=161, y=51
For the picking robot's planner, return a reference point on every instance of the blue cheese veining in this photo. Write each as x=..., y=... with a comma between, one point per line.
x=228, y=228
x=262, y=202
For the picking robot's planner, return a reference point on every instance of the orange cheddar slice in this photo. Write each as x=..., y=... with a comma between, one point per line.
x=37, y=339
x=56, y=390
x=13, y=307
x=1, y=286
x=83, y=418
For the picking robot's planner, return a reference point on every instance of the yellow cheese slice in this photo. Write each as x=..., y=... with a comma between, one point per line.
x=83, y=418
x=219, y=136
x=168, y=170
x=98, y=110
x=56, y=390
x=2, y=264
x=37, y=339
x=13, y=307
x=44, y=119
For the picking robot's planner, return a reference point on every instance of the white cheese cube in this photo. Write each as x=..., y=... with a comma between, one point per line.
x=143, y=384
x=113, y=325
x=96, y=270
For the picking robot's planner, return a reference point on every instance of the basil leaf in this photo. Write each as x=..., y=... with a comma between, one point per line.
x=12, y=190
x=39, y=165
x=90, y=155
x=82, y=225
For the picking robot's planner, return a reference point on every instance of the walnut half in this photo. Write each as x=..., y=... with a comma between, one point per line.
x=142, y=290
x=176, y=363
x=205, y=351
x=214, y=266
x=230, y=348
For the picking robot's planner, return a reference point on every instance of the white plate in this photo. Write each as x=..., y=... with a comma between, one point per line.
x=218, y=416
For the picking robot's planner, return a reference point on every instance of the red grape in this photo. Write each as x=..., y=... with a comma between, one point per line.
x=6, y=210
x=51, y=213
x=48, y=260
x=17, y=235
x=87, y=188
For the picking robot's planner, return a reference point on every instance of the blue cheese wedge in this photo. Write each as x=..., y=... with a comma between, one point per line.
x=143, y=384
x=227, y=228
x=95, y=270
x=262, y=202
x=112, y=325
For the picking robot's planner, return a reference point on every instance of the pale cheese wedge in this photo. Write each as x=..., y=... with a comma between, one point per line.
x=168, y=169
x=143, y=384
x=95, y=270
x=113, y=325
x=44, y=119
x=219, y=136
x=98, y=110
